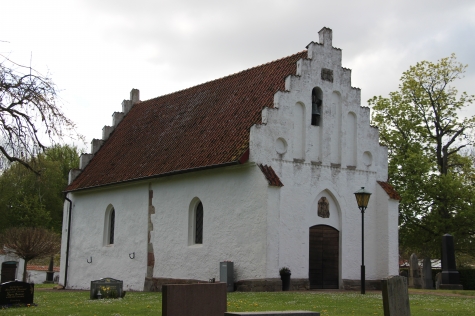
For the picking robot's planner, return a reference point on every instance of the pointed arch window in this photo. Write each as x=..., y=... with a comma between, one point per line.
x=112, y=227
x=109, y=226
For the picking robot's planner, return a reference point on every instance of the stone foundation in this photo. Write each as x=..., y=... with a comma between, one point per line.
x=259, y=285
x=251, y=285
x=270, y=285
x=355, y=285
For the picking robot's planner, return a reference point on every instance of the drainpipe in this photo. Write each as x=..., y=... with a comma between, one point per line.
x=67, y=241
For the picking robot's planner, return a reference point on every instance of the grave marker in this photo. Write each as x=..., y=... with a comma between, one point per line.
x=208, y=299
x=106, y=288
x=450, y=275
x=414, y=273
x=395, y=296
x=427, y=282
x=16, y=293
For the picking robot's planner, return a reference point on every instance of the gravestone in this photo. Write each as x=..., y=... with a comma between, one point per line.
x=50, y=272
x=395, y=296
x=16, y=293
x=208, y=299
x=450, y=275
x=226, y=274
x=285, y=313
x=106, y=288
x=414, y=273
x=427, y=282
x=438, y=280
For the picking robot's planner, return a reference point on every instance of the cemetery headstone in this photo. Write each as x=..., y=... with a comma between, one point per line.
x=16, y=293
x=50, y=272
x=450, y=275
x=226, y=274
x=208, y=299
x=395, y=296
x=285, y=313
x=438, y=280
x=427, y=282
x=106, y=288
x=414, y=272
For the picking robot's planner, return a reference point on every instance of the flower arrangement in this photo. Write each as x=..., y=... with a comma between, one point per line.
x=108, y=292
x=284, y=270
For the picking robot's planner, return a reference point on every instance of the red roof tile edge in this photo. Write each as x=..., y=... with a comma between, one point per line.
x=41, y=268
x=270, y=175
x=390, y=190
x=176, y=172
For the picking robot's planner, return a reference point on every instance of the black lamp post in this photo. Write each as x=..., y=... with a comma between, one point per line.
x=362, y=198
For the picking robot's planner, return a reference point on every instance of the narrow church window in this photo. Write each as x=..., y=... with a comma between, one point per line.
x=111, y=228
x=316, y=106
x=199, y=224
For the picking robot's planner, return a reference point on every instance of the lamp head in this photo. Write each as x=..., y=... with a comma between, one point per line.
x=362, y=198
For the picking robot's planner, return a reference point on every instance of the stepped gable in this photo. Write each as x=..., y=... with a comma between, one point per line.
x=200, y=127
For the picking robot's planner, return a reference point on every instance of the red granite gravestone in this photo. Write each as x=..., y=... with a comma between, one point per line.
x=200, y=299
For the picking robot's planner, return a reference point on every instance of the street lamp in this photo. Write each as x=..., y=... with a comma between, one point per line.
x=362, y=198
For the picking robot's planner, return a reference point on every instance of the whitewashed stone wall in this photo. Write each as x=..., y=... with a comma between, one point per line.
x=87, y=237
x=234, y=203
x=333, y=160
x=259, y=227
x=20, y=264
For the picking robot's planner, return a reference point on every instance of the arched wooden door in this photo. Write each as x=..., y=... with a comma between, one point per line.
x=324, y=257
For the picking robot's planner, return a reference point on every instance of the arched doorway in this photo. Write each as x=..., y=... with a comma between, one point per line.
x=324, y=257
x=8, y=271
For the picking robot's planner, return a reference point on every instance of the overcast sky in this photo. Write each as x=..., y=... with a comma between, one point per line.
x=96, y=51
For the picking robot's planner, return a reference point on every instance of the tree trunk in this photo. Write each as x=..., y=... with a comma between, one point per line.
x=24, y=270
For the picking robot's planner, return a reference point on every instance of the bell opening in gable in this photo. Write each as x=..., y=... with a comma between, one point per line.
x=317, y=96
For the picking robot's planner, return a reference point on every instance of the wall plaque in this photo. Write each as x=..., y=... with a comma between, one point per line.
x=327, y=74
x=323, y=207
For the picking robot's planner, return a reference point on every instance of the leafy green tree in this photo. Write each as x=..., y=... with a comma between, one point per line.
x=429, y=160
x=36, y=200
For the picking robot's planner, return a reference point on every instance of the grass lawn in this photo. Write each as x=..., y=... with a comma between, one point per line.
x=327, y=303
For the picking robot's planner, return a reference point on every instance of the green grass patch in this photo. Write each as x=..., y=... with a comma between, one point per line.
x=336, y=303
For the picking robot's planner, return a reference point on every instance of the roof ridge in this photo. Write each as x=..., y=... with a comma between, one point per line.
x=225, y=77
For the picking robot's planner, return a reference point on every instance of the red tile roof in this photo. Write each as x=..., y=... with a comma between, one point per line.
x=271, y=176
x=40, y=268
x=201, y=127
x=390, y=190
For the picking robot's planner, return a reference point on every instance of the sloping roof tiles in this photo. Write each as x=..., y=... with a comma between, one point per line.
x=271, y=176
x=200, y=127
x=392, y=193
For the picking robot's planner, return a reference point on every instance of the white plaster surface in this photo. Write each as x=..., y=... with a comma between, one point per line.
x=234, y=226
x=259, y=227
x=38, y=277
x=20, y=264
x=87, y=230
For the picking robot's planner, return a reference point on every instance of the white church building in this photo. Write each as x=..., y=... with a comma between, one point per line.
x=258, y=168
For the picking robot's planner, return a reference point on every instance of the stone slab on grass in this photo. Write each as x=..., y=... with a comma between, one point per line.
x=208, y=299
x=285, y=313
x=395, y=296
